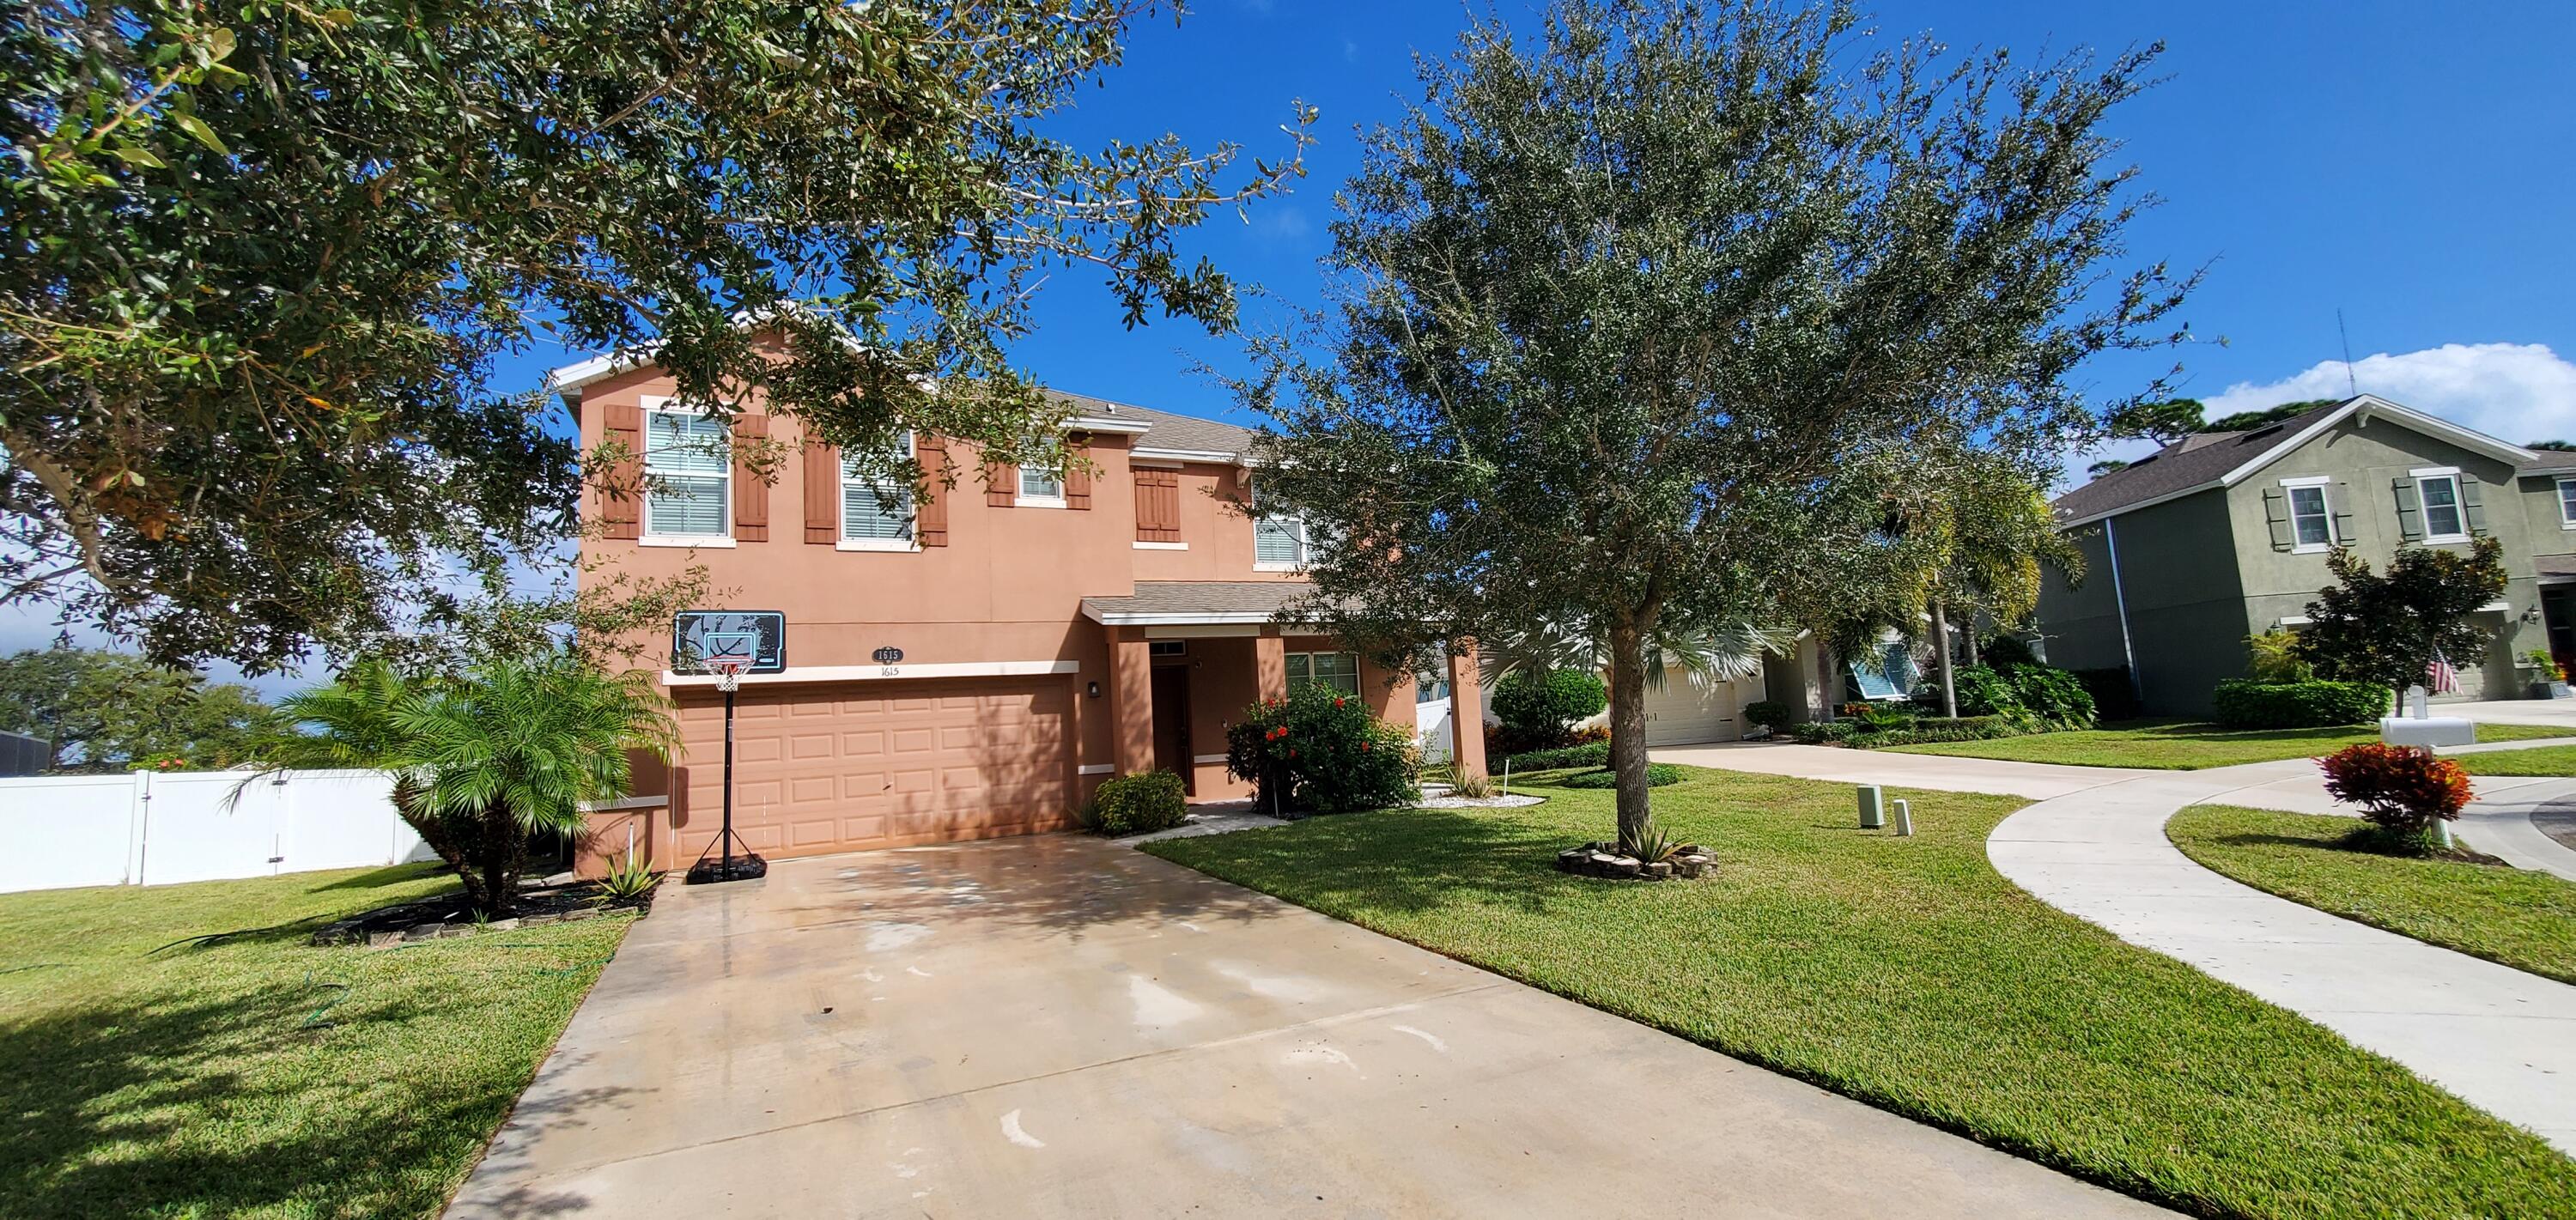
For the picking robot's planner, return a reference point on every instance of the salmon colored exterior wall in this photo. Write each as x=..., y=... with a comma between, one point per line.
x=1007, y=587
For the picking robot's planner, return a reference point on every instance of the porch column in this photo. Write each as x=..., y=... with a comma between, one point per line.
x=1270, y=665
x=1131, y=700
x=1466, y=713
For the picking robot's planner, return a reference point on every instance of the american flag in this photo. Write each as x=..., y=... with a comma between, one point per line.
x=2441, y=677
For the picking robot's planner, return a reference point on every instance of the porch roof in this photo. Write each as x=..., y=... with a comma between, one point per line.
x=2554, y=569
x=1164, y=602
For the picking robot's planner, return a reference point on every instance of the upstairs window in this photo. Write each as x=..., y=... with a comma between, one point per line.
x=688, y=475
x=2443, y=519
x=875, y=516
x=2567, y=504
x=1339, y=671
x=2310, y=521
x=1279, y=543
x=1041, y=487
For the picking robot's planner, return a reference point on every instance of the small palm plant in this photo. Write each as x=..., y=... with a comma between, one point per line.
x=483, y=759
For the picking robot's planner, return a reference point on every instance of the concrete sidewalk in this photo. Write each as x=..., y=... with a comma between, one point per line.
x=1939, y=772
x=2501, y=1039
x=1063, y=1027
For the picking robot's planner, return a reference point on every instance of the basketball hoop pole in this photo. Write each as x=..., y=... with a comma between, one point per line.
x=730, y=679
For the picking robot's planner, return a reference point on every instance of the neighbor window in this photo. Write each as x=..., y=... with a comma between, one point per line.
x=875, y=515
x=2567, y=503
x=688, y=475
x=1333, y=670
x=2443, y=520
x=1277, y=542
x=1041, y=486
x=2309, y=520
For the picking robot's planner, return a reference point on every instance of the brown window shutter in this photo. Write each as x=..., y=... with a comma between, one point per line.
x=750, y=491
x=930, y=517
x=1077, y=477
x=1001, y=484
x=1158, y=505
x=621, y=495
x=822, y=494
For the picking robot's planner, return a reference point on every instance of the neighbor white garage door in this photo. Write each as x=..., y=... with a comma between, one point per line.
x=1683, y=713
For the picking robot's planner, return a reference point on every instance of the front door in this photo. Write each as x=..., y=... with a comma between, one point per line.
x=1172, y=724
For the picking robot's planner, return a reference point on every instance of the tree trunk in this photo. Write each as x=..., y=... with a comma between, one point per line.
x=1941, y=649
x=1972, y=639
x=505, y=850
x=1628, y=728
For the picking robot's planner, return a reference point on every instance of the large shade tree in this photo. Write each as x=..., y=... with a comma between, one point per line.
x=262, y=257
x=1669, y=314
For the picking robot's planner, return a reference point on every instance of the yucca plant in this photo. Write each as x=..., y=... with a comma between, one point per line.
x=481, y=760
x=1649, y=844
x=628, y=880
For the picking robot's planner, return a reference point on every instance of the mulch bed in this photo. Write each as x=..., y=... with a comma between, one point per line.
x=451, y=916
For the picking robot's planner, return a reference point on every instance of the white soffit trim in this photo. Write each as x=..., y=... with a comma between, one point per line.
x=1152, y=453
x=886, y=673
x=2371, y=407
x=1184, y=618
x=1225, y=631
x=1099, y=423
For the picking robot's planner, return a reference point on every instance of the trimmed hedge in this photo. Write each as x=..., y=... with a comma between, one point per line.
x=1657, y=775
x=2242, y=703
x=1589, y=754
x=1135, y=804
x=1860, y=735
x=1539, y=706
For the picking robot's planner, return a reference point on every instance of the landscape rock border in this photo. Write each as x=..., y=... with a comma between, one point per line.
x=1689, y=862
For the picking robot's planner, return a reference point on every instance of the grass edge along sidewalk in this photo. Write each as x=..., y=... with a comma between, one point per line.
x=1908, y=974
x=2171, y=745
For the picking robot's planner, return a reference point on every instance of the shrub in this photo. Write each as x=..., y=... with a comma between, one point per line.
x=2243, y=704
x=1984, y=691
x=1136, y=804
x=1879, y=717
x=1769, y=713
x=2402, y=790
x=2274, y=657
x=2006, y=651
x=1824, y=732
x=1537, y=706
x=628, y=882
x=1657, y=775
x=2114, y=696
x=2053, y=695
x=1589, y=754
x=1323, y=752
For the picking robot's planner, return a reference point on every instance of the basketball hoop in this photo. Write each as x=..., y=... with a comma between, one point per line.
x=728, y=673
x=726, y=650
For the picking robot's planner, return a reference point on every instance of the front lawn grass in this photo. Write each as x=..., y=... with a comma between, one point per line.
x=261, y=1076
x=2539, y=760
x=2523, y=919
x=2189, y=745
x=1908, y=974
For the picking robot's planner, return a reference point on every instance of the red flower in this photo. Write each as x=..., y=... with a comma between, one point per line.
x=1364, y=747
x=1292, y=752
x=1337, y=703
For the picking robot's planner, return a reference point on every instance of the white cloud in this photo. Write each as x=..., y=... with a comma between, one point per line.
x=2518, y=392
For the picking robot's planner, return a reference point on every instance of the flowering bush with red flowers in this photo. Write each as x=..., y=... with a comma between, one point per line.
x=1320, y=751
x=2402, y=790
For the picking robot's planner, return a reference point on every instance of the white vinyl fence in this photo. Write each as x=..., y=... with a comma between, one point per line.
x=146, y=828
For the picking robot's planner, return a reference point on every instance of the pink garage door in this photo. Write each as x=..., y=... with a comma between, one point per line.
x=822, y=769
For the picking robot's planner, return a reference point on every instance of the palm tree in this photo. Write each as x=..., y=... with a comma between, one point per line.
x=482, y=760
x=1704, y=655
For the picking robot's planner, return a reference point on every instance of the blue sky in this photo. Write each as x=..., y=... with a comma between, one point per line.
x=2409, y=164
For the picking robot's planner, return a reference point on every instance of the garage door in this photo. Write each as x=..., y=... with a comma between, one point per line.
x=1684, y=713
x=852, y=766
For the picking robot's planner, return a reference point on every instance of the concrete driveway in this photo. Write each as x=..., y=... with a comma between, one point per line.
x=1063, y=1027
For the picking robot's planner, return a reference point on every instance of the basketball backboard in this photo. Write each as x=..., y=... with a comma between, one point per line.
x=703, y=641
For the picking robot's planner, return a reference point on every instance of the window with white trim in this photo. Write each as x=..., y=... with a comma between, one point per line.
x=688, y=475
x=875, y=515
x=2444, y=519
x=2311, y=523
x=1332, y=670
x=1041, y=486
x=1278, y=542
x=2567, y=504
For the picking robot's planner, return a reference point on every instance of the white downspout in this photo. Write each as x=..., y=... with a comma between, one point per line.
x=2120, y=599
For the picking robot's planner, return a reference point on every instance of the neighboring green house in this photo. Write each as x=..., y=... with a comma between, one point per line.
x=2224, y=535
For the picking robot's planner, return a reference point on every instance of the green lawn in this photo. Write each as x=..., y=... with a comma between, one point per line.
x=263, y=1076
x=2539, y=760
x=2181, y=745
x=1909, y=974
x=2523, y=919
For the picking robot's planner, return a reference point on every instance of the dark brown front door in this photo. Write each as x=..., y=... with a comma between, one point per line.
x=1172, y=723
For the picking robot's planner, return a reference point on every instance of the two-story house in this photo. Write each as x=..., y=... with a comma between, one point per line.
x=2225, y=535
x=1050, y=628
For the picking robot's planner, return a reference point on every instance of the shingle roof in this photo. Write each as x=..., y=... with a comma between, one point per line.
x=1164, y=430
x=2200, y=458
x=1198, y=598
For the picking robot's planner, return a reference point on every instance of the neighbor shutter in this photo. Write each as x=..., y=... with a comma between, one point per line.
x=2410, y=512
x=621, y=494
x=930, y=519
x=750, y=490
x=2473, y=509
x=1158, y=505
x=822, y=494
x=1077, y=476
x=2276, y=514
x=2342, y=510
x=1001, y=484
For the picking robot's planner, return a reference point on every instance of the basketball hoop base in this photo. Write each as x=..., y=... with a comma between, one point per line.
x=728, y=868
